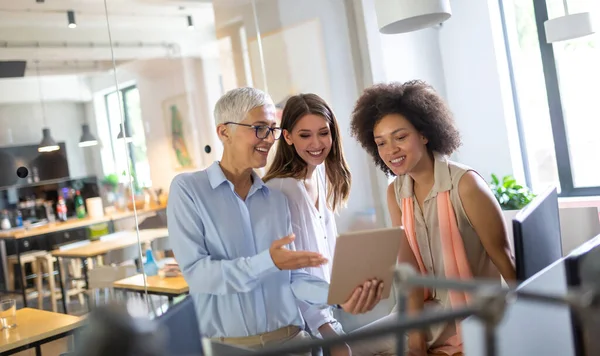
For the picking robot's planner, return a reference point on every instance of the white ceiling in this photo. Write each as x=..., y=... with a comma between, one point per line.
x=139, y=29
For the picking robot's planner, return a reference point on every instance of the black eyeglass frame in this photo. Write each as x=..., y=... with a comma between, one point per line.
x=275, y=131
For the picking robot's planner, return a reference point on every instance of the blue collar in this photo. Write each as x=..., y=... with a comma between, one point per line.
x=216, y=177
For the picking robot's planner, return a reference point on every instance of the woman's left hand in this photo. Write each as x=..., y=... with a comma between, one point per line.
x=364, y=298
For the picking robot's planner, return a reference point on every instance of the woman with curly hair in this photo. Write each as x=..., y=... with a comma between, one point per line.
x=452, y=222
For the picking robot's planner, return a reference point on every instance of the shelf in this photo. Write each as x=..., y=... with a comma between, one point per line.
x=45, y=182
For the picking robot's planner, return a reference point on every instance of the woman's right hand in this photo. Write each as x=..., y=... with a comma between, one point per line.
x=285, y=259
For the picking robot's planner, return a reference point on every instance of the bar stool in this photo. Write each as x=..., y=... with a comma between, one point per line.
x=29, y=257
x=46, y=264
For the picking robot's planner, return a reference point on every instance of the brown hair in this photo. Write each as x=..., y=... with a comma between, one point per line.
x=418, y=102
x=287, y=163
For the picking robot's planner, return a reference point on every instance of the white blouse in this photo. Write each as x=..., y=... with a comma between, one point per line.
x=314, y=228
x=315, y=231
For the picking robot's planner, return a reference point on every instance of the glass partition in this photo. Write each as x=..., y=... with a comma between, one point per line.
x=166, y=77
x=68, y=230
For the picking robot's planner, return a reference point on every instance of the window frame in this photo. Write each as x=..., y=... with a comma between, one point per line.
x=557, y=120
x=123, y=103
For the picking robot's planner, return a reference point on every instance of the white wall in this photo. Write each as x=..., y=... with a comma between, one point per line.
x=54, y=88
x=414, y=55
x=22, y=125
x=478, y=87
x=160, y=79
x=274, y=15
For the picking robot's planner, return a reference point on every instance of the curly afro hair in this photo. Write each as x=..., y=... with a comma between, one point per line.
x=418, y=102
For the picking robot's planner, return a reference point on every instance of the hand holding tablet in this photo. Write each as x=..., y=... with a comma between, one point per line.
x=364, y=298
x=363, y=268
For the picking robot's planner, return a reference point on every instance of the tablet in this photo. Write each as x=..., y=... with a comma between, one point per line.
x=362, y=255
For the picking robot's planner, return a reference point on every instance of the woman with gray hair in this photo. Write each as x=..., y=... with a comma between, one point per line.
x=233, y=239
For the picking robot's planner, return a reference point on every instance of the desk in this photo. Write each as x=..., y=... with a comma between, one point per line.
x=18, y=234
x=36, y=327
x=168, y=286
x=111, y=242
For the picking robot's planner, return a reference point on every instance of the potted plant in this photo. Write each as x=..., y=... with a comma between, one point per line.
x=512, y=197
x=510, y=194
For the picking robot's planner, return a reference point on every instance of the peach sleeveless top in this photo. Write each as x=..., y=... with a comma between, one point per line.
x=445, y=244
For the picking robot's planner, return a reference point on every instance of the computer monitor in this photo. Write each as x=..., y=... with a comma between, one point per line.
x=582, y=268
x=536, y=234
x=528, y=327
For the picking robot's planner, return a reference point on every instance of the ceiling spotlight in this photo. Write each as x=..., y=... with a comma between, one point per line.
x=71, y=19
x=190, y=22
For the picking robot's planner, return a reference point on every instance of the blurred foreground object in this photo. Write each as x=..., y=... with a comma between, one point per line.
x=112, y=330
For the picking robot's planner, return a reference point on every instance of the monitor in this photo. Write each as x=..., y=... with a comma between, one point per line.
x=536, y=234
x=528, y=327
x=583, y=270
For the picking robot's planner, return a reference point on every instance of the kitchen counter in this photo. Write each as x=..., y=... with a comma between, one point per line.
x=73, y=224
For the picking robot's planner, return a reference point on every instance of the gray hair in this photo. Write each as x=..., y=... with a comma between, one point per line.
x=237, y=103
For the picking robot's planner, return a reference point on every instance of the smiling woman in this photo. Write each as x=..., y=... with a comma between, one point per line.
x=454, y=226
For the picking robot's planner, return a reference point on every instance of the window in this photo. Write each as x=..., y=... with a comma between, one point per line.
x=132, y=116
x=555, y=93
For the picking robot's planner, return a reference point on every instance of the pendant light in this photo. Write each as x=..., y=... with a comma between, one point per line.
x=48, y=144
x=569, y=26
x=87, y=139
x=400, y=16
x=124, y=133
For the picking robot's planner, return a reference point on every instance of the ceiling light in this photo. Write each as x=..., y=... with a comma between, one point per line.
x=124, y=134
x=569, y=26
x=87, y=139
x=48, y=144
x=400, y=16
x=71, y=19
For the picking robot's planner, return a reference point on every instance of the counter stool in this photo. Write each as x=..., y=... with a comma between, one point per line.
x=46, y=264
x=29, y=257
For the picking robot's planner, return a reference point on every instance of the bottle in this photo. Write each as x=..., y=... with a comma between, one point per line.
x=5, y=223
x=36, y=176
x=150, y=267
x=19, y=219
x=61, y=209
x=79, y=205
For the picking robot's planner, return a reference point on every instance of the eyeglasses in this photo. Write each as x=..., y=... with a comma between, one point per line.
x=262, y=131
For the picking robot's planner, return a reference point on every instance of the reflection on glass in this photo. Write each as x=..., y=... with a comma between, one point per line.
x=62, y=224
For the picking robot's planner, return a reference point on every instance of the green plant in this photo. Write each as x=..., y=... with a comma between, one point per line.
x=111, y=181
x=510, y=195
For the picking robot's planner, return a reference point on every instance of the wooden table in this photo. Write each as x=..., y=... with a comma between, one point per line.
x=166, y=286
x=17, y=234
x=110, y=242
x=74, y=223
x=36, y=327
